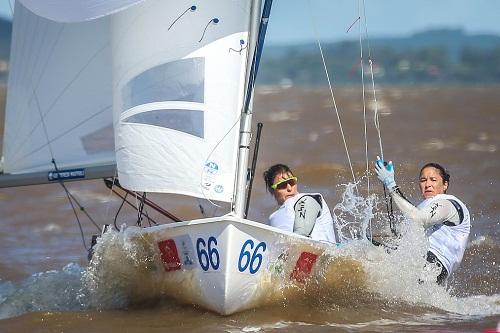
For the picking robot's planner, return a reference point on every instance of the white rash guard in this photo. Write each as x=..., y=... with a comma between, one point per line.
x=447, y=223
x=284, y=218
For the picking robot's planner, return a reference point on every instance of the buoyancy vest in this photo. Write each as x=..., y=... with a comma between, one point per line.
x=284, y=218
x=446, y=240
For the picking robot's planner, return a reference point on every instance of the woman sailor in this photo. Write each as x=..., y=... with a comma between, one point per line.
x=304, y=213
x=445, y=217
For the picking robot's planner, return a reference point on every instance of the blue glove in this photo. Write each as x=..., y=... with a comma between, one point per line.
x=385, y=172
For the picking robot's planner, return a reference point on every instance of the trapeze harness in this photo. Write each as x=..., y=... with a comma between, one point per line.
x=307, y=215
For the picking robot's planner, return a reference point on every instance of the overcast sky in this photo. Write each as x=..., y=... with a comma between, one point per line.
x=293, y=21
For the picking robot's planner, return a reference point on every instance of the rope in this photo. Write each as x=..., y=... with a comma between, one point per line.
x=361, y=62
x=140, y=208
x=331, y=93
x=370, y=62
x=387, y=198
x=361, y=16
x=119, y=209
x=110, y=195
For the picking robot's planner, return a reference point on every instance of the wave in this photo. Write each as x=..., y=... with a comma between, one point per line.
x=356, y=275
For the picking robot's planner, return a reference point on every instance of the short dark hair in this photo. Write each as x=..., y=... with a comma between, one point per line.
x=274, y=170
x=442, y=171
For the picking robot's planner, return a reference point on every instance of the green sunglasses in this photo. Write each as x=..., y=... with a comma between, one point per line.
x=284, y=182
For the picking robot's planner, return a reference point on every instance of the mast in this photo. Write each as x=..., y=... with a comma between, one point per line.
x=257, y=39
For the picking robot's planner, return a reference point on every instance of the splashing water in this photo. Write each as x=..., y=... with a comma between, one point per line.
x=352, y=215
x=354, y=273
x=398, y=272
x=118, y=275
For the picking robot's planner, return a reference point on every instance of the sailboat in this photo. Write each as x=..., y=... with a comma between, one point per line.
x=156, y=94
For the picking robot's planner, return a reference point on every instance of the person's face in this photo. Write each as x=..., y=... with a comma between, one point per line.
x=431, y=183
x=285, y=189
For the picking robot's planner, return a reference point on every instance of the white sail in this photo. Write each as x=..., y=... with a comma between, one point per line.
x=179, y=76
x=59, y=101
x=173, y=74
x=76, y=11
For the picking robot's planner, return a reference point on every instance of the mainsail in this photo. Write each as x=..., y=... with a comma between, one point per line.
x=168, y=77
x=59, y=95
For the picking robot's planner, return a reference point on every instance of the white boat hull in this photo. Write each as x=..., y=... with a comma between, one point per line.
x=224, y=264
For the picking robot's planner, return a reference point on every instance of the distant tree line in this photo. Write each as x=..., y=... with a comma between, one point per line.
x=433, y=57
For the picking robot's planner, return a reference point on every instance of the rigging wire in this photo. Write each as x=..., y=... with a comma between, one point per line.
x=362, y=20
x=210, y=155
x=140, y=202
x=331, y=93
x=374, y=91
x=143, y=211
x=387, y=198
x=109, y=183
x=138, y=208
x=363, y=88
x=34, y=97
x=362, y=72
x=110, y=195
x=68, y=194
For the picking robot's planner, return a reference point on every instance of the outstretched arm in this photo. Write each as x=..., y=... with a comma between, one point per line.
x=440, y=211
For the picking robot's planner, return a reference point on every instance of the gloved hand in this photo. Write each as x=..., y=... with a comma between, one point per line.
x=385, y=172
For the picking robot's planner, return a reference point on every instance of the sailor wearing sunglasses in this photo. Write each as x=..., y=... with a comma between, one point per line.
x=304, y=213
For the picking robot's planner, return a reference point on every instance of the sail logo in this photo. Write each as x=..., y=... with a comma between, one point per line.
x=219, y=188
x=211, y=168
x=209, y=175
x=66, y=174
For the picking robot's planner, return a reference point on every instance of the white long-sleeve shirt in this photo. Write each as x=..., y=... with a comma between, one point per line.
x=447, y=223
x=441, y=210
